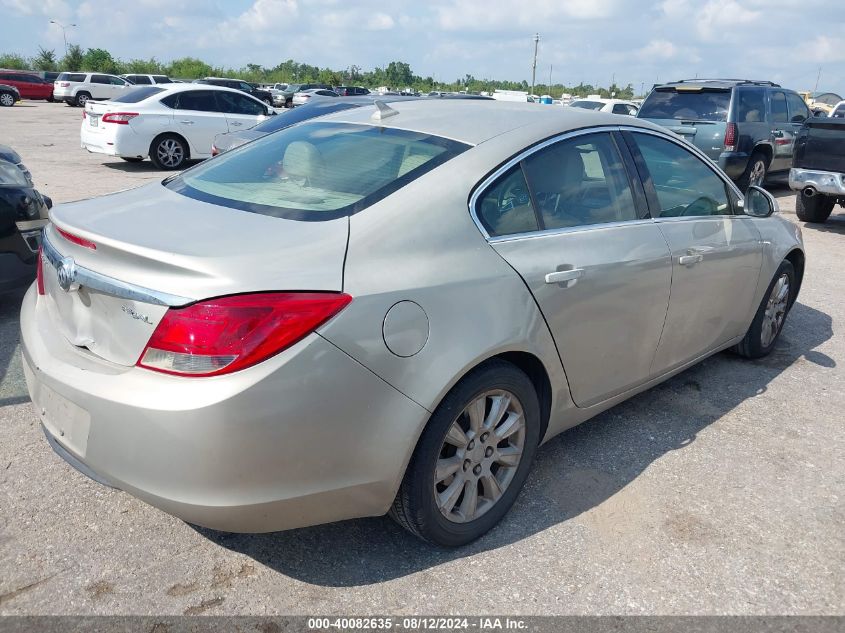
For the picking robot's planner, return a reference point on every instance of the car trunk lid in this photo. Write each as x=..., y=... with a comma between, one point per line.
x=153, y=248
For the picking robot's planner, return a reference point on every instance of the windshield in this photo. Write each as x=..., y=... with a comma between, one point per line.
x=700, y=105
x=316, y=171
x=587, y=105
x=136, y=95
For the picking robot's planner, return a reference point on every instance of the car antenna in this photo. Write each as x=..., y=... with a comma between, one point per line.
x=383, y=111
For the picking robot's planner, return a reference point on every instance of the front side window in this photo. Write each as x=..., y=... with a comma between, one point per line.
x=99, y=79
x=505, y=208
x=161, y=79
x=316, y=171
x=798, y=110
x=236, y=103
x=587, y=105
x=685, y=186
x=198, y=100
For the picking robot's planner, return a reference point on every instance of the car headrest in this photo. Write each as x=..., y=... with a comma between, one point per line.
x=302, y=160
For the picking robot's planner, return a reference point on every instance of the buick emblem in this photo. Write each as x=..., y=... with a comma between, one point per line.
x=66, y=271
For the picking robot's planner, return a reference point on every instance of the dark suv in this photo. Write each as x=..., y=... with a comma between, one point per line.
x=238, y=84
x=747, y=127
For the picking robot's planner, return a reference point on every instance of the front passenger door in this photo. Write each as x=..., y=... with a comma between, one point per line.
x=242, y=112
x=716, y=253
x=199, y=119
x=570, y=221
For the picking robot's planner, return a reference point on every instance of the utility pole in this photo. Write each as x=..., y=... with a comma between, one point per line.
x=819, y=76
x=534, y=66
x=64, y=34
x=550, y=79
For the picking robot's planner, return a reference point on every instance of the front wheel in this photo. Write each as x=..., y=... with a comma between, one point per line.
x=7, y=100
x=771, y=315
x=472, y=458
x=168, y=151
x=816, y=208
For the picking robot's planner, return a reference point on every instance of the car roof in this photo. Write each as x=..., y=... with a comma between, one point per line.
x=194, y=86
x=473, y=122
x=718, y=83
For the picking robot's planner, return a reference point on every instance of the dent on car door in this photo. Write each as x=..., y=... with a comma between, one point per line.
x=716, y=254
x=199, y=120
x=572, y=223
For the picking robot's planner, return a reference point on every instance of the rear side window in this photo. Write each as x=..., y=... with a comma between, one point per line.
x=685, y=186
x=316, y=171
x=750, y=105
x=505, y=208
x=136, y=95
x=778, y=103
x=686, y=105
x=77, y=77
x=580, y=181
x=798, y=110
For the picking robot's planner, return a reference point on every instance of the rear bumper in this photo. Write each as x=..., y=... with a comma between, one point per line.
x=733, y=163
x=309, y=436
x=118, y=142
x=827, y=182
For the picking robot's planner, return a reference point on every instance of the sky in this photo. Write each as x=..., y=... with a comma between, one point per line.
x=592, y=41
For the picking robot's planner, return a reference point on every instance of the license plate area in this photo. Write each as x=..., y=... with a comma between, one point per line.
x=64, y=420
x=93, y=120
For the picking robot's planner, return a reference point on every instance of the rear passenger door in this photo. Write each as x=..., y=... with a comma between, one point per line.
x=716, y=250
x=569, y=219
x=198, y=118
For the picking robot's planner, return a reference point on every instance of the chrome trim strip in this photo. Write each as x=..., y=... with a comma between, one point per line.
x=569, y=229
x=110, y=285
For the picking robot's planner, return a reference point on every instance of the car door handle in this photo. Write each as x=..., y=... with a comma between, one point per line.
x=187, y=122
x=238, y=123
x=690, y=259
x=561, y=276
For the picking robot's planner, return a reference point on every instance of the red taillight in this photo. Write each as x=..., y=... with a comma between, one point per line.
x=80, y=241
x=39, y=272
x=214, y=150
x=83, y=115
x=121, y=118
x=64, y=84
x=730, y=137
x=220, y=336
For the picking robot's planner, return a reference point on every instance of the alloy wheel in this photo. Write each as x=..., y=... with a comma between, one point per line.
x=7, y=100
x=170, y=153
x=82, y=100
x=758, y=173
x=479, y=456
x=775, y=311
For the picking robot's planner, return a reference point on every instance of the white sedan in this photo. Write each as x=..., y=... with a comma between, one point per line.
x=170, y=123
x=614, y=106
x=304, y=96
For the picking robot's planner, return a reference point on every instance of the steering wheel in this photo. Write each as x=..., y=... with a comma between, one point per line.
x=700, y=206
x=510, y=196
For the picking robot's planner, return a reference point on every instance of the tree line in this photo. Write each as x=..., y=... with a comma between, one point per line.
x=396, y=74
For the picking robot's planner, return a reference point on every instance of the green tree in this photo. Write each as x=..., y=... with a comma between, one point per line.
x=399, y=74
x=99, y=60
x=45, y=60
x=189, y=68
x=13, y=61
x=73, y=58
x=145, y=66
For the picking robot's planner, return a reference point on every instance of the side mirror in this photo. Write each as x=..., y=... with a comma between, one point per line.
x=48, y=201
x=759, y=203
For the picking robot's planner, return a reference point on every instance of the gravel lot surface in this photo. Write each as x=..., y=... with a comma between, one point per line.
x=720, y=491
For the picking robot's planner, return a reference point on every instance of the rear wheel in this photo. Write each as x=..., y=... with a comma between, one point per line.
x=771, y=315
x=755, y=172
x=816, y=208
x=472, y=458
x=168, y=151
x=7, y=100
x=82, y=98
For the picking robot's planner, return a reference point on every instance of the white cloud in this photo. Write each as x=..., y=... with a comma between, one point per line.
x=475, y=15
x=380, y=22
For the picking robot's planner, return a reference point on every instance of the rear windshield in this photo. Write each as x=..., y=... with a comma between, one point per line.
x=136, y=95
x=699, y=105
x=71, y=77
x=316, y=171
x=587, y=105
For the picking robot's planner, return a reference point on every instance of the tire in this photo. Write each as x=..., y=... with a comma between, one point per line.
x=169, y=151
x=477, y=464
x=269, y=102
x=81, y=99
x=7, y=100
x=289, y=103
x=132, y=159
x=815, y=208
x=755, y=172
x=758, y=343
